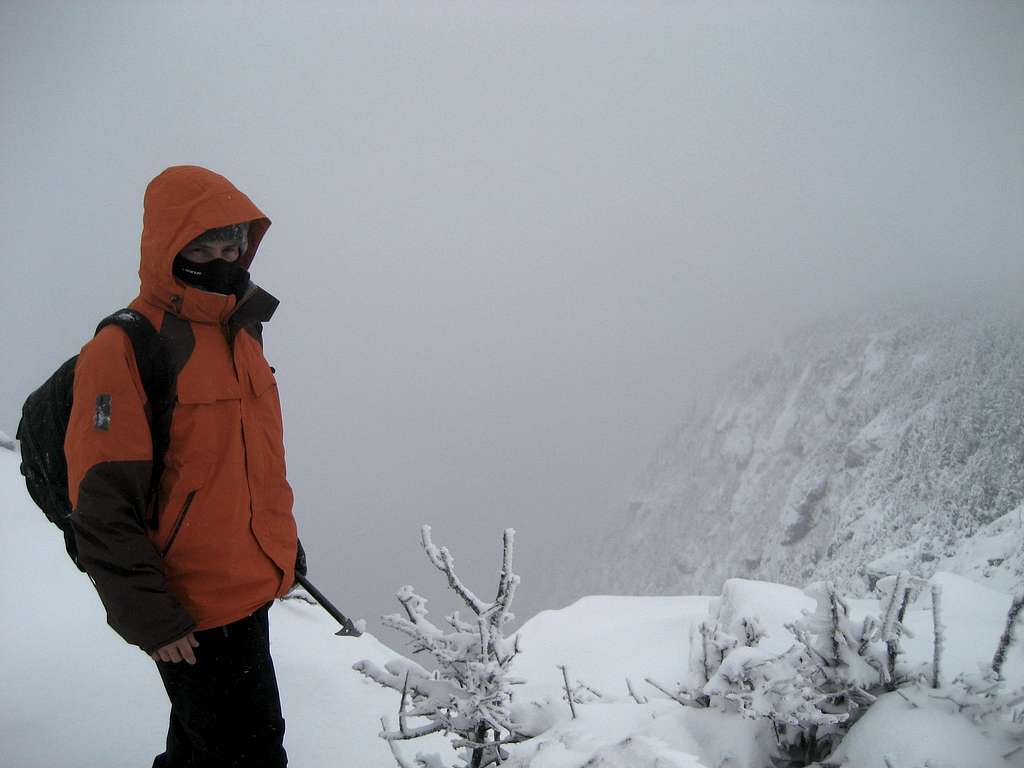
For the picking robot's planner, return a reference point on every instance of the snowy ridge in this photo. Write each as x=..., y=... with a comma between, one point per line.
x=857, y=448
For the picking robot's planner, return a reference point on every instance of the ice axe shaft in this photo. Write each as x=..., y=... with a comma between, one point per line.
x=348, y=629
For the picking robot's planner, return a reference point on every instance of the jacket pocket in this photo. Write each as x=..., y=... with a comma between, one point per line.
x=261, y=377
x=177, y=523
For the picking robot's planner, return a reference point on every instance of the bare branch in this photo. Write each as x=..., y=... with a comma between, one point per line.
x=632, y=692
x=402, y=762
x=568, y=690
x=904, y=696
x=1008, y=635
x=506, y=576
x=594, y=691
x=443, y=561
x=939, y=635
x=672, y=696
x=401, y=704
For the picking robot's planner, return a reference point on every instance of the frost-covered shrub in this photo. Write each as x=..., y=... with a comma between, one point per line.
x=810, y=692
x=780, y=688
x=469, y=694
x=813, y=691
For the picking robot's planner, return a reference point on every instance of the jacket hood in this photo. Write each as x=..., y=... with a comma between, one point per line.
x=180, y=204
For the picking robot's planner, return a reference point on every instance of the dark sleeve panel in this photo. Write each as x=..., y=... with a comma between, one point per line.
x=118, y=555
x=109, y=453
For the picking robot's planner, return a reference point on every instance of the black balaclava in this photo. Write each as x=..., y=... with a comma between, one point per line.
x=216, y=275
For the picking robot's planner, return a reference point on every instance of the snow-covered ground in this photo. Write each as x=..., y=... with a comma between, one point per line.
x=73, y=694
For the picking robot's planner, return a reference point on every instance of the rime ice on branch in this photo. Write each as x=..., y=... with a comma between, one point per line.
x=900, y=591
x=469, y=695
x=1007, y=638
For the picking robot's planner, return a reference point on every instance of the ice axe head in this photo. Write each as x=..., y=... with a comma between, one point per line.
x=348, y=629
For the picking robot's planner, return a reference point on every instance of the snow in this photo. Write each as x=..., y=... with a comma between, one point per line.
x=994, y=555
x=774, y=605
x=62, y=664
x=615, y=735
x=604, y=640
x=916, y=731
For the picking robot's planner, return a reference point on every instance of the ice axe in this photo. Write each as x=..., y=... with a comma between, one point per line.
x=348, y=629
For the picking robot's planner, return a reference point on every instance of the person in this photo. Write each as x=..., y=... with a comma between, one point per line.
x=182, y=512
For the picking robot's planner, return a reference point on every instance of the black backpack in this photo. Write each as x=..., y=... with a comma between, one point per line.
x=45, y=415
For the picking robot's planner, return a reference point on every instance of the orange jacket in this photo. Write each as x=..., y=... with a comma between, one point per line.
x=218, y=540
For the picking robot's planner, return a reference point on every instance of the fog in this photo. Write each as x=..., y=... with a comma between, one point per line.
x=510, y=240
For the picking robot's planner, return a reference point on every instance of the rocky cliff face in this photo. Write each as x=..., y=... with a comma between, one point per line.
x=855, y=448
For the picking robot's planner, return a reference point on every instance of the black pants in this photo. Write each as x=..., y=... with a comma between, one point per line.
x=225, y=710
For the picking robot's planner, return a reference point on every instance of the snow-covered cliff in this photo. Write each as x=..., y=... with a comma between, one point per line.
x=857, y=447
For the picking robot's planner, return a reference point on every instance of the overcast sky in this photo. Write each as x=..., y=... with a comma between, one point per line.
x=509, y=240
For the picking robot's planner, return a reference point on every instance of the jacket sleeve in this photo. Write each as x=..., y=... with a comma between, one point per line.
x=109, y=454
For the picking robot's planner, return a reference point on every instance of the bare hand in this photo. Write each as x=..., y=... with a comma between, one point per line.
x=179, y=650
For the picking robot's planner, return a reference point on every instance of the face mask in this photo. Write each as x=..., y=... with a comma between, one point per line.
x=215, y=276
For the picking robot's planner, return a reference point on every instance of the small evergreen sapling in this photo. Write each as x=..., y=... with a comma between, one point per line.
x=469, y=694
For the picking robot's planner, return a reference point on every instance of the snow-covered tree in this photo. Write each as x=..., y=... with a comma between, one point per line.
x=812, y=692
x=784, y=690
x=469, y=693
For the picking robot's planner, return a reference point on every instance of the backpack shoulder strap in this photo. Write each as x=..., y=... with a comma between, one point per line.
x=149, y=355
x=152, y=361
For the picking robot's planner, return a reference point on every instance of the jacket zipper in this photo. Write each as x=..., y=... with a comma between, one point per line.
x=177, y=523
